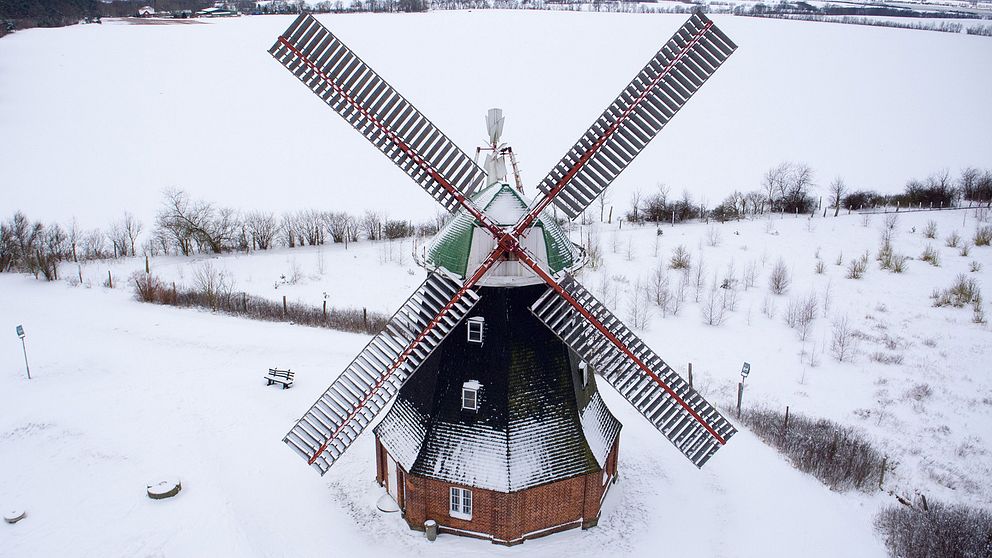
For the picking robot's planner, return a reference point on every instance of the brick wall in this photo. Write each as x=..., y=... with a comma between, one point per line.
x=509, y=517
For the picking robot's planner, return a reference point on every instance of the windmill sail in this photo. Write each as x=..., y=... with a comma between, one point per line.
x=695, y=427
x=371, y=380
x=350, y=87
x=641, y=110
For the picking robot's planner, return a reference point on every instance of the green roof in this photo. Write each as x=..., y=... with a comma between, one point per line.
x=504, y=205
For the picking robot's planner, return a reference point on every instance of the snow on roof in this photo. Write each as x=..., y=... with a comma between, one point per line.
x=472, y=384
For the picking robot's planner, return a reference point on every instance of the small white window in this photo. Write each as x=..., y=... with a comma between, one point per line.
x=470, y=395
x=461, y=503
x=475, y=327
x=584, y=370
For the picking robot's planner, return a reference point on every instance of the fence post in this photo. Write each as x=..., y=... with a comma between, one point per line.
x=244, y=302
x=881, y=477
x=110, y=279
x=785, y=425
x=148, y=269
x=365, y=317
x=80, y=268
x=325, y=310
x=690, y=374
x=284, y=309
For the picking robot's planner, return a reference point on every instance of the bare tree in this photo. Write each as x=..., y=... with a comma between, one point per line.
x=660, y=291
x=842, y=340
x=712, y=308
x=261, y=228
x=780, y=279
x=773, y=183
x=639, y=305
x=635, y=203
x=837, y=192
x=372, y=223
x=750, y=275
x=604, y=200
x=698, y=278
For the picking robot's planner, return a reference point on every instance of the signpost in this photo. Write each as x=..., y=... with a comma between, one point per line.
x=20, y=333
x=745, y=370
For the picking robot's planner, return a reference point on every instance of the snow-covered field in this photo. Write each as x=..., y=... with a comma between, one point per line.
x=125, y=393
x=103, y=118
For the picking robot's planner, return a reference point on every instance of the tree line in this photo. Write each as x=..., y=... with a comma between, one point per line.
x=187, y=226
x=788, y=188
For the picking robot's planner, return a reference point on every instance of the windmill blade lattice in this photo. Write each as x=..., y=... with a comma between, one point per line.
x=696, y=428
x=349, y=86
x=371, y=380
x=641, y=110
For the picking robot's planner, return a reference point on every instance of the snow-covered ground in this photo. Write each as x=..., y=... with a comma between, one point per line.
x=125, y=393
x=102, y=118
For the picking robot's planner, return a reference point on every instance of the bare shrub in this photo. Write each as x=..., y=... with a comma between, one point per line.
x=780, y=279
x=840, y=259
x=819, y=267
x=712, y=309
x=952, y=239
x=750, y=275
x=593, y=250
x=639, y=305
x=713, y=236
x=983, y=235
x=842, y=340
x=886, y=358
x=965, y=250
x=975, y=267
x=978, y=309
x=661, y=292
x=800, y=313
x=961, y=293
x=892, y=221
x=936, y=530
x=828, y=297
x=857, y=267
x=768, y=307
x=839, y=456
x=930, y=231
x=931, y=256
x=699, y=278
x=681, y=259
x=680, y=293
x=147, y=287
x=919, y=392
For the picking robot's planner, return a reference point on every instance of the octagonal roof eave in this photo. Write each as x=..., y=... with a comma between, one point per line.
x=451, y=246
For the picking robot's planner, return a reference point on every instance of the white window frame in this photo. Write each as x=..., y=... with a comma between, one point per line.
x=474, y=397
x=584, y=370
x=475, y=329
x=460, y=503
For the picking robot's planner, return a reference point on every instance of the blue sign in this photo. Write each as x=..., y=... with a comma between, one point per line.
x=746, y=369
x=20, y=331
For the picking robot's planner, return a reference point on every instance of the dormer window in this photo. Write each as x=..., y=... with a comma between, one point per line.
x=470, y=395
x=475, y=327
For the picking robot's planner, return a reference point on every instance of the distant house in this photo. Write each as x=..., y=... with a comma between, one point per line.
x=146, y=11
x=215, y=12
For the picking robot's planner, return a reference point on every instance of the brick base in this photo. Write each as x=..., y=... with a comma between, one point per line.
x=505, y=518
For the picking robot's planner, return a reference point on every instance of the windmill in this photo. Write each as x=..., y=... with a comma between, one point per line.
x=499, y=431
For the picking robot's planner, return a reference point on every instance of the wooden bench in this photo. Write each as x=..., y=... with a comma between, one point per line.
x=281, y=377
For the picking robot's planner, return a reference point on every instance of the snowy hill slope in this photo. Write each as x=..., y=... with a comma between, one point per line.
x=103, y=118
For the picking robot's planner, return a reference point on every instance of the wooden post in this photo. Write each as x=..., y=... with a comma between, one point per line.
x=673, y=217
x=740, y=396
x=244, y=302
x=148, y=269
x=785, y=425
x=690, y=374
x=325, y=310
x=284, y=309
x=365, y=317
x=620, y=224
x=881, y=477
x=610, y=220
x=80, y=268
x=110, y=279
